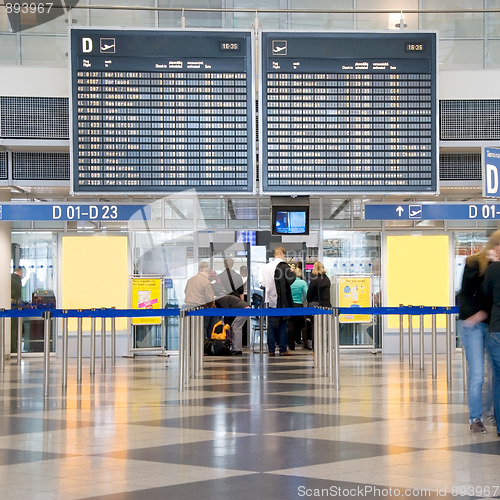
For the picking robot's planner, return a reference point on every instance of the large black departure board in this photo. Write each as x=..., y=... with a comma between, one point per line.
x=348, y=112
x=162, y=111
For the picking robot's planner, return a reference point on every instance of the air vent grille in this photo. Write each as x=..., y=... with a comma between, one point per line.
x=34, y=117
x=40, y=166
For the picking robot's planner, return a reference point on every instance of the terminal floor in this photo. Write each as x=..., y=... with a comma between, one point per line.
x=252, y=427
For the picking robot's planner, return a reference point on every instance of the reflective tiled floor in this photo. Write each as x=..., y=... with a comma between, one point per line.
x=252, y=427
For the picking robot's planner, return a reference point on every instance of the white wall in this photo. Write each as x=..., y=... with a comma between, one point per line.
x=23, y=81
x=469, y=84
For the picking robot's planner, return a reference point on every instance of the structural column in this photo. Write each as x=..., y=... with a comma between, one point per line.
x=5, y=270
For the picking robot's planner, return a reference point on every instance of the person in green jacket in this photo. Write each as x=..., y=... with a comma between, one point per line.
x=299, y=297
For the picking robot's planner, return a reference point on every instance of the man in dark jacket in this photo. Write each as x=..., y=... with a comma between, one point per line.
x=277, y=278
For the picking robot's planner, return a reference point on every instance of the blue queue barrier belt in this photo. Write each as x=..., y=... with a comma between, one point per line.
x=312, y=311
x=88, y=313
x=215, y=311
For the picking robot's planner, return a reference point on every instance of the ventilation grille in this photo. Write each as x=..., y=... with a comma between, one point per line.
x=460, y=167
x=40, y=166
x=3, y=165
x=470, y=119
x=34, y=117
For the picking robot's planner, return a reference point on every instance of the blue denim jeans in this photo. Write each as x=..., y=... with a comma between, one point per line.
x=473, y=341
x=277, y=332
x=493, y=346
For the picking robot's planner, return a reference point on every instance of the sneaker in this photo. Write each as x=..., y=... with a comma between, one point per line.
x=477, y=426
x=286, y=353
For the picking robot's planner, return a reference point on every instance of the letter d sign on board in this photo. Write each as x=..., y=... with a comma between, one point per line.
x=87, y=45
x=491, y=167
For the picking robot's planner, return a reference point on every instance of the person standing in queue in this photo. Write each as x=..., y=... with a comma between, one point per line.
x=199, y=292
x=491, y=289
x=299, y=297
x=318, y=295
x=277, y=278
x=473, y=318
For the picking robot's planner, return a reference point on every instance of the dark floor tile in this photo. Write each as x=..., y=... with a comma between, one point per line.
x=257, y=421
x=270, y=487
x=259, y=453
x=488, y=447
x=11, y=457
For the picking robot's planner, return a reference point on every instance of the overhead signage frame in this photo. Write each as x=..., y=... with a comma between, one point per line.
x=348, y=112
x=162, y=111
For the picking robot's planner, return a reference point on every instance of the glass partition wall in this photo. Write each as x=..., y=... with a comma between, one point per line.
x=186, y=230
x=36, y=255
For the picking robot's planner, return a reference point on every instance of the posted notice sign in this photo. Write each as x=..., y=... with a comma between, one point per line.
x=354, y=292
x=146, y=294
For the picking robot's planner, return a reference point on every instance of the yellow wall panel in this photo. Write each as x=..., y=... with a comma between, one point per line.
x=95, y=274
x=418, y=274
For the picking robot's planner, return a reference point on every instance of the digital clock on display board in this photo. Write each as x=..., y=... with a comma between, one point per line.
x=229, y=46
x=414, y=47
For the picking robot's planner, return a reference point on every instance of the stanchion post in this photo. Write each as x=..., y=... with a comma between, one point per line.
x=324, y=324
x=434, y=344
x=79, y=347
x=336, y=342
x=410, y=338
x=182, y=319
x=2, y=341
x=421, y=339
x=64, y=353
x=92, y=343
x=193, y=341
x=401, y=337
x=113, y=340
x=315, y=340
x=264, y=320
x=103, y=341
x=19, y=339
x=448, y=346
x=329, y=345
x=47, y=317
x=202, y=342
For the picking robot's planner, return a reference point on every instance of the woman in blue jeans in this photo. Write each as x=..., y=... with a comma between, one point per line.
x=473, y=318
x=491, y=288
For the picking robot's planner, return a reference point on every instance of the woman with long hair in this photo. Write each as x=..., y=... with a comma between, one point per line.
x=473, y=320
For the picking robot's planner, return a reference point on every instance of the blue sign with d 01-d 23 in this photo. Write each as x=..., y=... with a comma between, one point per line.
x=433, y=211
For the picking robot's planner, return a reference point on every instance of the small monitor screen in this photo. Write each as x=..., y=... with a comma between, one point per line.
x=290, y=220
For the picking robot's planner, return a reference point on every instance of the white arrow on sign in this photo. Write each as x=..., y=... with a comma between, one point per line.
x=400, y=210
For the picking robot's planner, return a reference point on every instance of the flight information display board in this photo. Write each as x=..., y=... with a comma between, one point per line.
x=162, y=110
x=348, y=112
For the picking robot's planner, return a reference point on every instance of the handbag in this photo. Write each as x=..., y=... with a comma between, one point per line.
x=216, y=347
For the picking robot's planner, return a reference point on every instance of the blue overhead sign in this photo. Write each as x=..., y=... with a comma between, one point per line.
x=491, y=168
x=433, y=211
x=71, y=212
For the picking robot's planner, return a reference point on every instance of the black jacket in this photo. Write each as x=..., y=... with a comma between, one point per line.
x=472, y=298
x=491, y=289
x=319, y=290
x=283, y=279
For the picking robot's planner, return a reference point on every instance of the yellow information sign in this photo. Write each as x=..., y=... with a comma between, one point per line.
x=354, y=292
x=146, y=294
